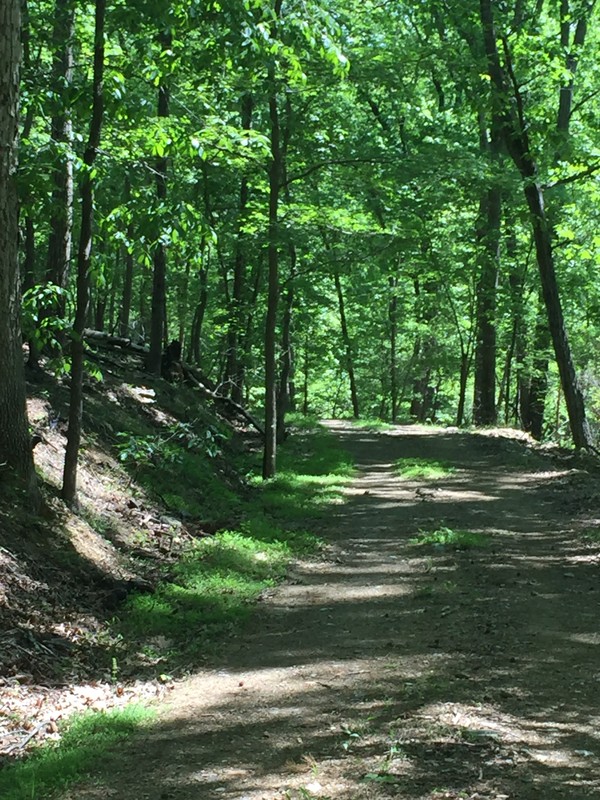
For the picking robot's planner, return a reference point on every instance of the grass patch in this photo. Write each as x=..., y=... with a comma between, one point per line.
x=86, y=739
x=591, y=535
x=312, y=470
x=422, y=469
x=212, y=590
x=214, y=587
x=448, y=538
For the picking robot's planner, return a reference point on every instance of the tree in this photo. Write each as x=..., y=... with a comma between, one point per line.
x=15, y=442
x=69, y=489
x=509, y=104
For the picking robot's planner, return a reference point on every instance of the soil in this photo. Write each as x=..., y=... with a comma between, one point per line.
x=392, y=669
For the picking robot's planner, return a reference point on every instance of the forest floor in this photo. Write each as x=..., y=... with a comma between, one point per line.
x=445, y=647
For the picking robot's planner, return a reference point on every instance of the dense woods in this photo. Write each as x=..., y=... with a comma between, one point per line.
x=349, y=209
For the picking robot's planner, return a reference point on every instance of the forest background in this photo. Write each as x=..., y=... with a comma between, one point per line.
x=365, y=209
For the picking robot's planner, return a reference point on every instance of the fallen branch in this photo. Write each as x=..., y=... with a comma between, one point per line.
x=220, y=399
x=24, y=742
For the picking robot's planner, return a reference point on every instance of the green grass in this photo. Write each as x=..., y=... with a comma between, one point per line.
x=214, y=587
x=591, y=535
x=212, y=591
x=451, y=539
x=422, y=469
x=312, y=469
x=86, y=739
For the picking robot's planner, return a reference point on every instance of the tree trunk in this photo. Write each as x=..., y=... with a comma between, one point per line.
x=270, y=449
x=69, y=488
x=159, y=274
x=233, y=372
x=127, y=296
x=286, y=349
x=533, y=420
x=393, y=318
x=488, y=235
x=61, y=223
x=580, y=429
x=465, y=366
x=347, y=346
x=15, y=444
x=200, y=310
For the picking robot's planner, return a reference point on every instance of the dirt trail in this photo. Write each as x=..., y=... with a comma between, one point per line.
x=392, y=671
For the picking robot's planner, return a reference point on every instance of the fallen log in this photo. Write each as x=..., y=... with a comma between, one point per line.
x=102, y=337
x=191, y=374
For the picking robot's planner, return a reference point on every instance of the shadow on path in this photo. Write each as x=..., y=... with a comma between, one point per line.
x=392, y=669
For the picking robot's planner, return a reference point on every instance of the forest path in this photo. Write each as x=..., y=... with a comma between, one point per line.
x=397, y=670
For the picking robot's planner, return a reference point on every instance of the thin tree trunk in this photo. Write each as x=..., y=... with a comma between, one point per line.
x=69, y=488
x=286, y=349
x=465, y=367
x=127, y=296
x=200, y=310
x=233, y=372
x=534, y=410
x=305, y=375
x=159, y=274
x=270, y=449
x=61, y=222
x=347, y=346
x=393, y=317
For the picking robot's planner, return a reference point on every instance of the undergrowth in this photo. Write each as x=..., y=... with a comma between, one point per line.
x=211, y=591
x=84, y=740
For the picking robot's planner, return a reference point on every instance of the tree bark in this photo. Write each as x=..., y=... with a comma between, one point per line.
x=159, y=274
x=234, y=373
x=69, y=488
x=488, y=235
x=15, y=443
x=270, y=449
x=393, y=319
x=347, y=346
x=61, y=131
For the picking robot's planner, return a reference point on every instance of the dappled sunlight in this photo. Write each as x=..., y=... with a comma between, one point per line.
x=404, y=664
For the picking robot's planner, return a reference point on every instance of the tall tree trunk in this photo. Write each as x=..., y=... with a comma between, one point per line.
x=159, y=274
x=465, y=367
x=200, y=310
x=127, y=296
x=484, y=403
x=234, y=373
x=69, y=488
x=509, y=103
x=61, y=131
x=347, y=346
x=275, y=171
x=393, y=318
x=15, y=444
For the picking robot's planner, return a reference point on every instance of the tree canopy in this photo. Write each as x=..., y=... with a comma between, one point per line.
x=374, y=209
